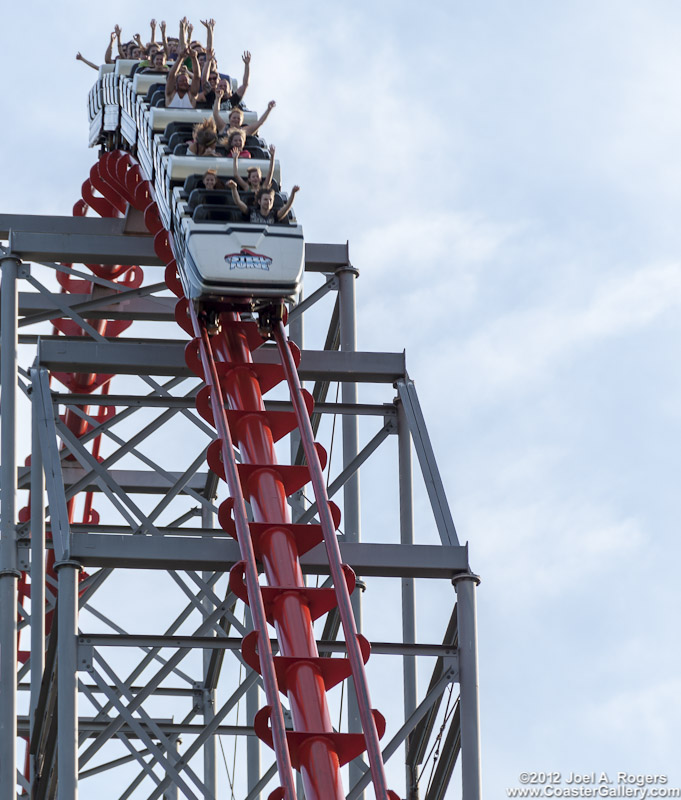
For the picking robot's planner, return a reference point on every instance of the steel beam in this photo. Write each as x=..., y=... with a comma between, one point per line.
x=9, y=572
x=410, y=683
x=132, y=481
x=158, y=357
x=418, y=741
x=92, y=727
x=208, y=643
x=219, y=555
x=325, y=257
x=426, y=456
x=58, y=238
x=330, y=285
x=158, y=401
x=351, y=499
x=76, y=248
x=469, y=696
x=210, y=749
x=62, y=225
x=67, y=707
x=37, y=660
x=35, y=307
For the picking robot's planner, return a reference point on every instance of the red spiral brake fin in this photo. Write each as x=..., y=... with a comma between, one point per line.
x=332, y=670
x=115, y=327
x=152, y=219
x=133, y=278
x=346, y=745
x=99, y=179
x=268, y=375
x=280, y=423
x=192, y=357
x=172, y=280
x=319, y=601
x=113, y=171
x=72, y=284
x=163, y=246
x=182, y=316
x=70, y=380
x=228, y=525
x=305, y=536
x=99, y=204
x=292, y=477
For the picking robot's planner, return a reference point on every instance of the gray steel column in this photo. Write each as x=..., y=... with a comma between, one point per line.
x=468, y=683
x=210, y=748
x=253, y=768
x=67, y=680
x=37, y=569
x=9, y=573
x=351, y=510
x=408, y=594
x=296, y=327
x=173, y=791
x=348, y=343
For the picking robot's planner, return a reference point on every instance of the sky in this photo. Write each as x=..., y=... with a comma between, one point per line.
x=507, y=176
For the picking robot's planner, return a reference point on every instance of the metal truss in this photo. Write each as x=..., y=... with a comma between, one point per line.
x=140, y=682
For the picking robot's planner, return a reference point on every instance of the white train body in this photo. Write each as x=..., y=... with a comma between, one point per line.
x=218, y=261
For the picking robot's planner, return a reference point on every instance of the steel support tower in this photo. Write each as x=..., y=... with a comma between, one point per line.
x=121, y=672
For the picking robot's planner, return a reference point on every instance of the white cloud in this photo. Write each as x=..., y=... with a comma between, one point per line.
x=653, y=711
x=555, y=544
x=522, y=347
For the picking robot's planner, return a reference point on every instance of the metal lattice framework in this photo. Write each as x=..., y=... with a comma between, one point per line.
x=123, y=670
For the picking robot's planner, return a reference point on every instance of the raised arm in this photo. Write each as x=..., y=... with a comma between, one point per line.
x=195, y=88
x=210, y=27
x=143, y=50
x=251, y=129
x=183, y=32
x=164, y=40
x=242, y=183
x=283, y=211
x=219, y=122
x=246, y=58
x=121, y=53
x=79, y=57
x=108, y=56
x=238, y=202
x=206, y=71
x=171, y=83
x=270, y=172
x=152, y=25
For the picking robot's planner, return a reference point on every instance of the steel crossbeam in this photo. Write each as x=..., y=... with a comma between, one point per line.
x=36, y=307
x=151, y=357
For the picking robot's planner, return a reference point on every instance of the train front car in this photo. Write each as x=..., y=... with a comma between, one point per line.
x=224, y=261
x=232, y=263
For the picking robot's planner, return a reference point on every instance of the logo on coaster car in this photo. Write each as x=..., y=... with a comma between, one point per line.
x=247, y=259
